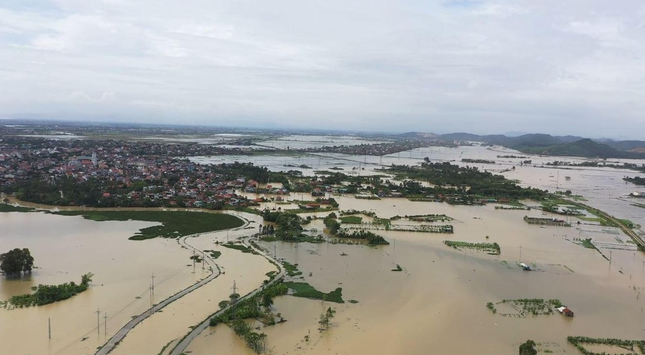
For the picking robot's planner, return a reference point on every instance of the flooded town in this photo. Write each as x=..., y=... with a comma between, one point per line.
x=322, y=252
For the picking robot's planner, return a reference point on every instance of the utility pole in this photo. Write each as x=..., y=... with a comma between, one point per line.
x=152, y=287
x=98, y=322
x=193, y=261
x=49, y=326
x=105, y=322
x=234, y=292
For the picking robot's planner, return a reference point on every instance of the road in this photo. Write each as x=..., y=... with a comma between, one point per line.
x=183, y=344
x=121, y=333
x=635, y=237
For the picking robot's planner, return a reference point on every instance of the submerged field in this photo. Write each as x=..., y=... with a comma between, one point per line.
x=173, y=223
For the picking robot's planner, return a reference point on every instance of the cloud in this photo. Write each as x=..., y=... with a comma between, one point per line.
x=480, y=65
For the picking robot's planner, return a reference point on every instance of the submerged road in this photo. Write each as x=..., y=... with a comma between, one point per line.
x=183, y=344
x=121, y=333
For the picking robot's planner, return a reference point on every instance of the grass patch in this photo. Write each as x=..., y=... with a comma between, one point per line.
x=626, y=222
x=11, y=208
x=174, y=223
x=351, y=219
x=213, y=253
x=240, y=247
x=292, y=270
x=588, y=244
x=589, y=219
x=303, y=289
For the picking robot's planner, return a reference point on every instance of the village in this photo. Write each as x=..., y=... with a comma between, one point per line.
x=120, y=174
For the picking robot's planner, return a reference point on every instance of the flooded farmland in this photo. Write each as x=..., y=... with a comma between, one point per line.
x=436, y=303
x=439, y=298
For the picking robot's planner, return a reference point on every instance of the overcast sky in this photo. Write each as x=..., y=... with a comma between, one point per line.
x=552, y=66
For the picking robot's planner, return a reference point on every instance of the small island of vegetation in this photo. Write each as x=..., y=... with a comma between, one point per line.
x=16, y=262
x=46, y=294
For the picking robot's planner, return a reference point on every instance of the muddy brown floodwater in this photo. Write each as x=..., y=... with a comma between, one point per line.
x=437, y=304
x=65, y=248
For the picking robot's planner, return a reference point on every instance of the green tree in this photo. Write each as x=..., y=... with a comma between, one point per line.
x=16, y=262
x=528, y=348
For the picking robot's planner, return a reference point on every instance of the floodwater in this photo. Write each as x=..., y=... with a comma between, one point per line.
x=439, y=300
x=65, y=248
x=437, y=304
x=604, y=188
x=313, y=141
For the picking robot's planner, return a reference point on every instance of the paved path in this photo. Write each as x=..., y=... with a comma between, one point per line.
x=183, y=344
x=121, y=333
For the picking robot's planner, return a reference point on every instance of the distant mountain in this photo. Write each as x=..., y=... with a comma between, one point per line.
x=626, y=145
x=514, y=133
x=461, y=137
x=546, y=144
x=583, y=148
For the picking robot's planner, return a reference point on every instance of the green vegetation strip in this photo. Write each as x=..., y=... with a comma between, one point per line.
x=251, y=308
x=213, y=253
x=46, y=294
x=372, y=239
x=351, y=219
x=634, y=346
x=491, y=248
x=240, y=247
x=174, y=223
x=303, y=289
x=292, y=270
x=11, y=208
x=641, y=205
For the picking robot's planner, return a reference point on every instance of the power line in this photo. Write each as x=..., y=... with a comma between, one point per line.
x=98, y=322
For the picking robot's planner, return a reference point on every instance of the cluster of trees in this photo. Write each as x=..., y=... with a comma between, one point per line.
x=637, y=180
x=332, y=224
x=528, y=348
x=372, y=239
x=62, y=192
x=334, y=228
x=289, y=225
x=46, y=294
x=248, y=170
x=255, y=341
x=16, y=262
x=325, y=318
x=467, y=181
x=266, y=229
x=251, y=309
